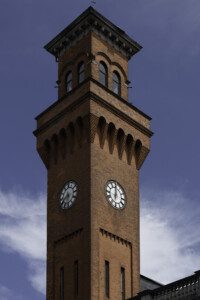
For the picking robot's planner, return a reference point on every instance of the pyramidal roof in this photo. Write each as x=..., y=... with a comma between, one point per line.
x=92, y=20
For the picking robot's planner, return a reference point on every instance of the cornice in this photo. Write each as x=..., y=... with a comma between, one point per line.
x=121, y=99
x=99, y=84
x=122, y=115
x=91, y=96
x=92, y=20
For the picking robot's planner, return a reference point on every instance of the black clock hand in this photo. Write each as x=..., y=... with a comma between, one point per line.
x=115, y=190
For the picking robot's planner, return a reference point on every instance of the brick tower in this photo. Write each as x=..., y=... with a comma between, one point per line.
x=93, y=143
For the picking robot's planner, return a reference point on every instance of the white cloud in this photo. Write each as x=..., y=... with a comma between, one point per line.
x=38, y=275
x=23, y=231
x=169, y=235
x=7, y=294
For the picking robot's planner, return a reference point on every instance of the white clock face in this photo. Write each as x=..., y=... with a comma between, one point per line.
x=115, y=194
x=68, y=194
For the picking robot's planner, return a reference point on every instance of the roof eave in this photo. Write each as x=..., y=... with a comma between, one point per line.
x=50, y=47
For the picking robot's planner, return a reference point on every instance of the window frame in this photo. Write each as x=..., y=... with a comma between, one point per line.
x=68, y=82
x=62, y=283
x=107, y=279
x=76, y=278
x=81, y=72
x=116, y=82
x=103, y=72
x=123, y=283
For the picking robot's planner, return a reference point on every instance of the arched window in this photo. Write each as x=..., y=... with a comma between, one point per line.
x=81, y=72
x=103, y=73
x=68, y=81
x=116, y=83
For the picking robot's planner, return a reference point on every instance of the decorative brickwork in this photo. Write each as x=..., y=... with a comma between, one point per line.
x=115, y=238
x=69, y=236
x=84, y=130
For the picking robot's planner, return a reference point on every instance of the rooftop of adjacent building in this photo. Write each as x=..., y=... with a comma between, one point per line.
x=183, y=289
x=147, y=283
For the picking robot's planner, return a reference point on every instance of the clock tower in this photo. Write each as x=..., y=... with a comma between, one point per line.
x=93, y=143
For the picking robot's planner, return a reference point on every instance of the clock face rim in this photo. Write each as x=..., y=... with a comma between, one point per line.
x=107, y=197
x=63, y=190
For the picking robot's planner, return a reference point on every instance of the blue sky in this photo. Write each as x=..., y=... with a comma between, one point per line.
x=165, y=80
